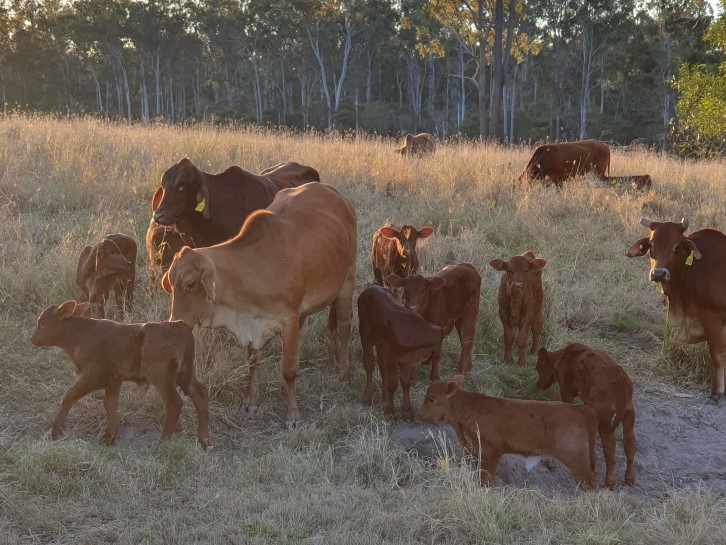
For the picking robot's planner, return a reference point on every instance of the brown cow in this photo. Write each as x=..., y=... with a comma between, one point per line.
x=641, y=182
x=568, y=159
x=109, y=265
x=419, y=144
x=211, y=208
x=691, y=271
x=162, y=243
x=489, y=426
x=402, y=339
x=447, y=299
x=104, y=354
x=289, y=261
x=603, y=385
x=520, y=302
x=394, y=251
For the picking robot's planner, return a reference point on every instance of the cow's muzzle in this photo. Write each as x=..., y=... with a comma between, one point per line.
x=163, y=219
x=660, y=275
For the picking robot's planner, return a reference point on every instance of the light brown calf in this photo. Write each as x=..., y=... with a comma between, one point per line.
x=394, y=251
x=418, y=144
x=104, y=354
x=489, y=427
x=603, y=385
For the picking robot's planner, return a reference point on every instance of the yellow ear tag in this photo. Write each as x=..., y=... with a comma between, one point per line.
x=689, y=259
x=201, y=205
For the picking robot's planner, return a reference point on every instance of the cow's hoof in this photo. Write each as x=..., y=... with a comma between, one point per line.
x=293, y=424
x=629, y=481
x=250, y=410
x=711, y=401
x=108, y=439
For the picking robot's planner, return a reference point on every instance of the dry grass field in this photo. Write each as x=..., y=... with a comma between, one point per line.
x=343, y=478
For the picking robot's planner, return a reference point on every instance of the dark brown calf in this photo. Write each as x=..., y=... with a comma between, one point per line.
x=109, y=265
x=603, y=385
x=394, y=251
x=451, y=298
x=163, y=242
x=520, y=303
x=104, y=354
x=491, y=426
x=418, y=144
x=402, y=340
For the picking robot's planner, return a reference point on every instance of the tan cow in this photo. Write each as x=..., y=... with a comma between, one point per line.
x=289, y=261
x=419, y=144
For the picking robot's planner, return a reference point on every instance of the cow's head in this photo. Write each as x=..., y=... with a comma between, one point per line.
x=405, y=239
x=184, y=192
x=546, y=369
x=110, y=259
x=190, y=281
x=437, y=403
x=518, y=272
x=669, y=249
x=407, y=145
x=51, y=327
x=416, y=289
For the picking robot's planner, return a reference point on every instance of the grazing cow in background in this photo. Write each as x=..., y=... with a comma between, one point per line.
x=451, y=298
x=604, y=386
x=419, y=144
x=402, y=339
x=394, y=251
x=641, y=182
x=289, y=261
x=520, y=302
x=211, y=208
x=691, y=271
x=568, y=159
x=109, y=265
x=104, y=354
x=489, y=426
x=162, y=243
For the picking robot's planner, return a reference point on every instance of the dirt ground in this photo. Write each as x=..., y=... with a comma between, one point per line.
x=680, y=443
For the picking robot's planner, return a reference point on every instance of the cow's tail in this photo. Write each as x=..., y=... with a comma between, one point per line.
x=621, y=407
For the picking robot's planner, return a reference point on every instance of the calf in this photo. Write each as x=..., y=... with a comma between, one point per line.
x=163, y=242
x=603, y=385
x=402, y=340
x=109, y=265
x=520, y=303
x=418, y=144
x=394, y=251
x=491, y=426
x=104, y=354
x=451, y=297
x=640, y=182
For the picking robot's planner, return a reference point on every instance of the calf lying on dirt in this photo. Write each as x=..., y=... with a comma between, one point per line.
x=109, y=265
x=603, y=385
x=104, y=354
x=491, y=426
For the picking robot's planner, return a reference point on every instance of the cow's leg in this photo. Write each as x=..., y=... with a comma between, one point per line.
x=172, y=401
x=608, y=447
x=406, y=410
x=200, y=398
x=508, y=339
x=629, y=445
x=367, y=357
x=82, y=386
x=577, y=459
x=110, y=403
x=288, y=366
x=390, y=385
x=713, y=327
x=343, y=305
x=249, y=403
x=522, y=338
x=487, y=460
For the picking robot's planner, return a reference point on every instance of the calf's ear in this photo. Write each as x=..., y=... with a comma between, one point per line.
x=66, y=309
x=425, y=232
x=389, y=231
x=639, y=248
x=156, y=199
x=81, y=308
x=166, y=283
x=537, y=264
x=498, y=265
x=395, y=280
x=542, y=353
x=208, y=273
x=453, y=385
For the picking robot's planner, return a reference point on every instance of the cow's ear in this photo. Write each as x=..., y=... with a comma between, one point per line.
x=208, y=274
x=693, y=248
x=156, y=199
x=640, y=248
x=395, y=280
x=66, y=309
x=202, y=195
x=436, y=283
x=537, y=264
x=425, y=232
x=166, y=283
x=498, y=265
x=81, y=308
x=453, y=385
x=389, y=231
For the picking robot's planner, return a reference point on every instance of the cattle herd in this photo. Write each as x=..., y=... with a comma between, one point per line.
x=257, y=255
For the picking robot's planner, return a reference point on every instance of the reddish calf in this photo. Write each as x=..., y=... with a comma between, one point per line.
x=520, y=303
x=451, y=298
x=603, y=385
x=491, y=426
x=394, y=251
x=402, y=340
x=104, y=354
x=109, y=265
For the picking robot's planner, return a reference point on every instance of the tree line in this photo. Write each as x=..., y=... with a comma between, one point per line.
x=509, y=70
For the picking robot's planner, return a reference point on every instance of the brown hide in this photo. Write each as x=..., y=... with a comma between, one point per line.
x=419, y=144
x=394, y=251
x=561, y=161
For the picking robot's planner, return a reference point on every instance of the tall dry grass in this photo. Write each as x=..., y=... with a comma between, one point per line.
x=340, y=479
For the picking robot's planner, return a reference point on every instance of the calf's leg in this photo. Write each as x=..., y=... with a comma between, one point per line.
x=166, y=387
x=390, y=384
x=522, y=337
x=250, y=400
x=406, y=410
x=608, y=448
x=508, y=340
x=629, y=445
x=465, y=327
x=198, y=393
x=80, y=388
x=367, y=358
x=110, y=403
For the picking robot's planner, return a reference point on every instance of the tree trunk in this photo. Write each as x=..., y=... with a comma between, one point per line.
x=497, y=71
x=315, y=46
x=483, y=111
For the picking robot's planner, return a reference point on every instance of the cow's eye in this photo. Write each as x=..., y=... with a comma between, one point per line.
x=189, y=286
x=180, y=188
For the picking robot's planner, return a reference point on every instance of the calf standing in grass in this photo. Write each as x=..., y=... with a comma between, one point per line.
x=394, y=251
x=603, y=385
x=447, y=299
x=402, y=340
x=109, y=265
x=104, y=354
x=520, y=303
x=490, y=426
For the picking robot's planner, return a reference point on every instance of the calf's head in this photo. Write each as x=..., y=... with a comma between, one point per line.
x=518, y=271
x=109, y=259
x=437, y=403
x=407, y=145
x=416, y=289
x=405, y=239
x=546, y=368
x=52, y=325
x=190, y=281
x=669, y=249
x=183, y=192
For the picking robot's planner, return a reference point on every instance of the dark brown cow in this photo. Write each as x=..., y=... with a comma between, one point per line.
x=568, y=159
x=447, y=299
x=419, y=144
x=489, y=426
x=109, y=265
x=394, y=251
x=211, y=208
x=641, y=182
x=603, y=385
x=691, y=271
x=520, y=302
x=402, y=339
